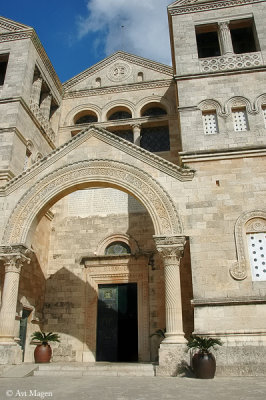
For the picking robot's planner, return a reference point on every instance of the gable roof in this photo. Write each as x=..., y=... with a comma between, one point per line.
x=12, y=26
x=119, y=55
x=137, y=152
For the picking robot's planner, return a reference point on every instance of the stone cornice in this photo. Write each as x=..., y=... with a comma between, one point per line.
x=31, y=34
x=195, y=6
x=215, y=155
x=10, y=25
x=228, y=301
x=120, y=55
x=118, y=89
x=201, y=75
x=157, y=162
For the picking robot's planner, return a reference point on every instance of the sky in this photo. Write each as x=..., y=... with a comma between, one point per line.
x=77, y=34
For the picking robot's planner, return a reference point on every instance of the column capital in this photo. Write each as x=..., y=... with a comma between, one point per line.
x=171, y=248
x=224, y=24
x=14, y=257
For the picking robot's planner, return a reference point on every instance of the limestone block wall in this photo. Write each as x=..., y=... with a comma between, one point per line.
x=222, y=93
x=221, y=192
x=16, y=69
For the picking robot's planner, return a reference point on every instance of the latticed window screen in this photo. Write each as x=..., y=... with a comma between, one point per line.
x=240, y=120
x=264, y=114
x=210, y=122
x=257, y=255
x=155, y=139
x=125, y=134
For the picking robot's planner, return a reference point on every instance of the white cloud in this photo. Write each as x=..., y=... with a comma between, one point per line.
x=145, y=30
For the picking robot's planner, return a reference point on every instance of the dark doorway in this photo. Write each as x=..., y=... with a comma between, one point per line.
x=23, y=330
x=117, y=323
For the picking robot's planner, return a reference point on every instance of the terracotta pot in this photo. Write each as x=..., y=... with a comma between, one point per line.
x=204, y=365
x=43, y=353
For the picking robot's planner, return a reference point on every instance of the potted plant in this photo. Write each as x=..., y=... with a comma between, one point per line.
x=43, y=351
x=203, y=361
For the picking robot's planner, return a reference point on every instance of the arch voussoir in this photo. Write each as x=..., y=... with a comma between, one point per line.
x=90, y=173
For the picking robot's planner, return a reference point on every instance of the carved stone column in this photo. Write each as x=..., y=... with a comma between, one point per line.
x=136, y=134
x=171, y=249
x=45, y=105
x=225, y=38
x=36, y=90
x=13, y=258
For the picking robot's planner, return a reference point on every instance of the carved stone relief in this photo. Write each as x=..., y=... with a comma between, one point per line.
x=135, y=181
x=252, y=221
x=118, y=72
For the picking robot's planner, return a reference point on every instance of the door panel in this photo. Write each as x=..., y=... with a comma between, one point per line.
x=117, y=323
x=23, y=330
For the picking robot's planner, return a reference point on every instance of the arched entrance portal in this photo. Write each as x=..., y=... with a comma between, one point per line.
x=85, y=174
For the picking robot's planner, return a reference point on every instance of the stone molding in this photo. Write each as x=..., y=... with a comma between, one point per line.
x=209, y=155
x=193, y=6
x=118, y=56
x=147, y=157
x=117, y=237
x=118, y=89
x=224, y=110
x=238, y=270
x=231, y=62
x=227, y=301
x=128, y=177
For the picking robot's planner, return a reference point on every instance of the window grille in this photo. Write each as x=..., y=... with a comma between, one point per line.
x=240, y=120
x=257, y=255
x=117, y=248
x=155, y=139
x=124, y=134
x=210, y=122
x=264, y=115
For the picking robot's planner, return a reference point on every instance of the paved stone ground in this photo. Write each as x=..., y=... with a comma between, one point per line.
x=132, y=388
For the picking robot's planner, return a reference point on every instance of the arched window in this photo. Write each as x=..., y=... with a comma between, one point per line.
x=240, y=119
x=154, y=111
x=85, y=117
x=210, y=122
x=120, y=115
x=250, y=237
x=117, y=248
x=256, y=242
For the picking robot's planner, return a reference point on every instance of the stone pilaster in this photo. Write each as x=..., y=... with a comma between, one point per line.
x=225, y=38
x=45, y=105
x=13, y=258
x=36, y=90
x=171, y=249
x=136, y=133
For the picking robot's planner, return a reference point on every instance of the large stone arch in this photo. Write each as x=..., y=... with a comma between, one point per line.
x=96, y=172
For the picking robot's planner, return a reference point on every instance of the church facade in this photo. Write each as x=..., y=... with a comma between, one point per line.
x=132, y=196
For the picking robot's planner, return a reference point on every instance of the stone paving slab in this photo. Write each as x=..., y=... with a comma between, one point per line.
x=132, y=388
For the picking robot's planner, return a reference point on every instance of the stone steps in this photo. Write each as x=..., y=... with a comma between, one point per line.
x=95, y=369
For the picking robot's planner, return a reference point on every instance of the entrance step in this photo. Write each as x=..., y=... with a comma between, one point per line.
x=95, y=369
x=19, y=371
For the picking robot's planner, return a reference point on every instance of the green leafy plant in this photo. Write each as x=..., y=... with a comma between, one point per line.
x=159, y=332
x=203, y=344
x=45, y=338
